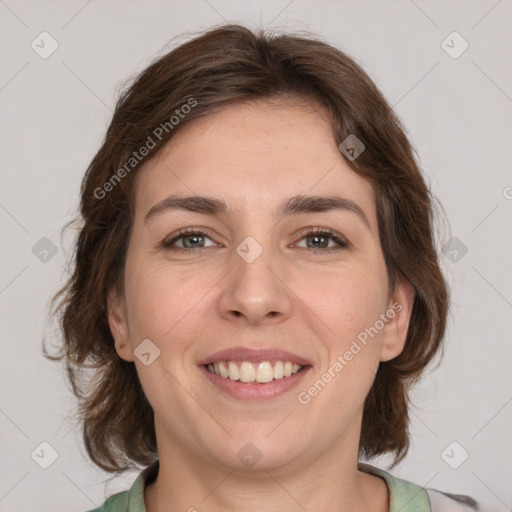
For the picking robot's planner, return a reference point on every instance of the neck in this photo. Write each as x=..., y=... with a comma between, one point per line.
x=330, y=481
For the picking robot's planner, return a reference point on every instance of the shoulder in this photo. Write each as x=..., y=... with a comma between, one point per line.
x=133, y=499
x=445, y=502
x=119, y=502
x=405, y=495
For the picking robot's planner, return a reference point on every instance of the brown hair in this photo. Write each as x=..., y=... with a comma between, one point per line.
x=225, y=65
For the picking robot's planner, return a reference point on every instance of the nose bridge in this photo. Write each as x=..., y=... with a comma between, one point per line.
x=256, y=289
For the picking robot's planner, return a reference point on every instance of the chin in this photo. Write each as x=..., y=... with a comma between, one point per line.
x=257, y=453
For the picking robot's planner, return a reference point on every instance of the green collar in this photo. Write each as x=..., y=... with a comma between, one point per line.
x=405, y=496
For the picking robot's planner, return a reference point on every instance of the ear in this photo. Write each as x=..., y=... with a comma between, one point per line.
x=399, y=314
x=118, y=323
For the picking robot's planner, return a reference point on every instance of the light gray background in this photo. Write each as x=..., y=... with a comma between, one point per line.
x=54, y=113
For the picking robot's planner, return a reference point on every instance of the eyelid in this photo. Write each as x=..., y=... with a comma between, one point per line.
x=340, y=240
x=169, y=240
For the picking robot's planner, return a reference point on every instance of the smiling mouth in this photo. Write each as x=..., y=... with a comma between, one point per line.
x=257, y=373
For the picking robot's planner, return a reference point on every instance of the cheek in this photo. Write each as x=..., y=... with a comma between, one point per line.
x=164, y=303
x=350, y=304
x=349, y=300
x=162, y=307
x=351, y=346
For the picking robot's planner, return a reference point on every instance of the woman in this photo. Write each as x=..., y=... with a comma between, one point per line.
x=255, y=284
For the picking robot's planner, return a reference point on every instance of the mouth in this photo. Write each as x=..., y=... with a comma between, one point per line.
x=249, y=374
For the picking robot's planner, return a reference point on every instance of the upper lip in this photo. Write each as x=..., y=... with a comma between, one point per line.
x=254, y=356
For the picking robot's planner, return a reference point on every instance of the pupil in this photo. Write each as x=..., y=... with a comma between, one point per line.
x=192, y=239
x=317, y=238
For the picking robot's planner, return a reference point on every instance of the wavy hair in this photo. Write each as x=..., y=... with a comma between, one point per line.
x=222, y=66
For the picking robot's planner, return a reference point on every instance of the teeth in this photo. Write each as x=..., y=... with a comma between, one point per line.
x=224, y=371
x=247, y=372
x=253, y=372
x=278, y=370
x=234, y=372
x=264, y=372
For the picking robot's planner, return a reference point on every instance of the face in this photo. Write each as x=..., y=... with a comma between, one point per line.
x=256, y=277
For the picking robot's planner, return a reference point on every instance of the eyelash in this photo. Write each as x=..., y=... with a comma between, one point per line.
x=342, y=243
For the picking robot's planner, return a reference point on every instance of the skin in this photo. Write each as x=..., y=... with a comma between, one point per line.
x=311, y=302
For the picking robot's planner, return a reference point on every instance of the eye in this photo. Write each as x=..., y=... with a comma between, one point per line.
x=320, y=238
x=189, y=238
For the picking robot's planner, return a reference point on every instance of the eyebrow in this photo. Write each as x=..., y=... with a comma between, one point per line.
x=292, y=206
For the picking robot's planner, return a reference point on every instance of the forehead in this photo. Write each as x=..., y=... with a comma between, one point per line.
x=253, y=155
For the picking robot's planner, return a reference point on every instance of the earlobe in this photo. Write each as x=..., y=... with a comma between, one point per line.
x=399, y=314
x=117, y=321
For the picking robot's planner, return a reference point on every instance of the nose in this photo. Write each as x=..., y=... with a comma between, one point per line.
x=256, y=292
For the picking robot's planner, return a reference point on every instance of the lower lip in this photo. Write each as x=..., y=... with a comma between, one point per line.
x=256, y=391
